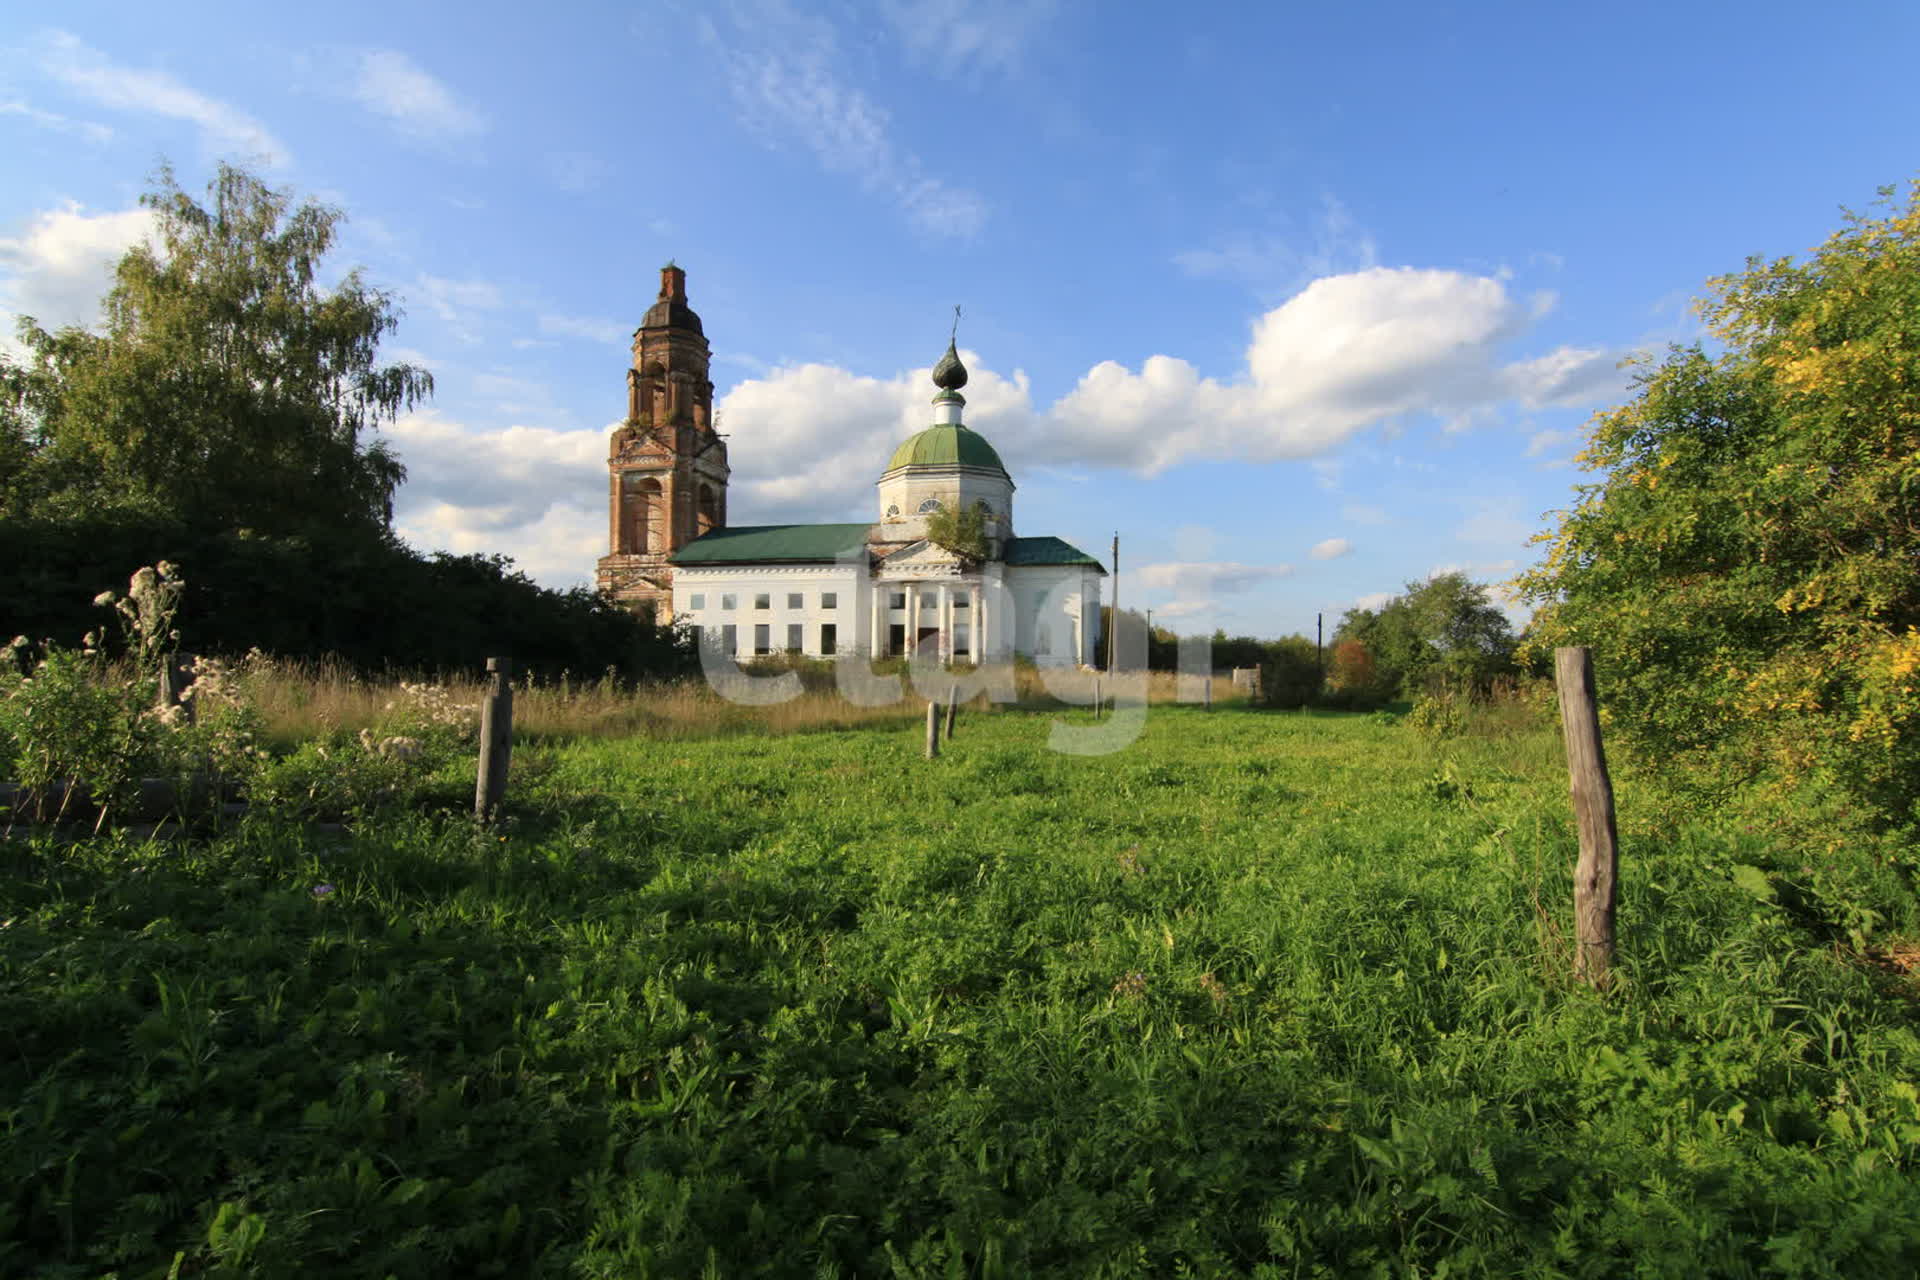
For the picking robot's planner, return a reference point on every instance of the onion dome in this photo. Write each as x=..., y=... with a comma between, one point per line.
x=950, y=374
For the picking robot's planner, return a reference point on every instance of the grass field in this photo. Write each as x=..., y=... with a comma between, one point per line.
x=1263, y=994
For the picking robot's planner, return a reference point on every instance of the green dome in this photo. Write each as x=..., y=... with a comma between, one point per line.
x=947, y=446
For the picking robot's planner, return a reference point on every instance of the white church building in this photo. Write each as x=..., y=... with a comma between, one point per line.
x=879, y=589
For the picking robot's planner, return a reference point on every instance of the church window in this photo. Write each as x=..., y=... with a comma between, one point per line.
x=828, y=600
x=829, y=638
x=794, y=637
x=796, y=600
x=762, y=639
x=962, y=602
x=931, y=504
x=729, y=639
x=762, y=600
x=697, y=600
x=729, y=601
x=898, y=600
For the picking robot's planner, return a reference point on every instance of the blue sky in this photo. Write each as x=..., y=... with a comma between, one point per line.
x=1306, y=302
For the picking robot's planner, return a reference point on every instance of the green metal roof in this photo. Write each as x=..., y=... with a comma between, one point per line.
x=1047, y=550
x=947, y=446
x=775, y=544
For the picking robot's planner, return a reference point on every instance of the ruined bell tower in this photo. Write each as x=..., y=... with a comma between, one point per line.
x=666, y=469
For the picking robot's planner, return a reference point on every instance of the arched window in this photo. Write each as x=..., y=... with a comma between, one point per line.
x=645, y=516
x=931, y=505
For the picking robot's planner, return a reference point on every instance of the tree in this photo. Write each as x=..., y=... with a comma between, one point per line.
x=1444, y=633
x=227, y=389
x=1745, y=570
x=961, y=530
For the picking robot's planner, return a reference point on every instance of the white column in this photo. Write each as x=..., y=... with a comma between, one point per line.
x=976, y=624
x=1079, y=634
x=912, y=629
x=877, y=638
x=946, y=622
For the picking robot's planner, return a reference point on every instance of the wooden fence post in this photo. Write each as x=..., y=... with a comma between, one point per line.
x=176, y=673
x=1206, y=696
x=953, y=699
x=1594, y=878
x=496, y=740
x=933, y=729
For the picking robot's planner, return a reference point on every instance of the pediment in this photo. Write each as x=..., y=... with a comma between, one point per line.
x=922, y=555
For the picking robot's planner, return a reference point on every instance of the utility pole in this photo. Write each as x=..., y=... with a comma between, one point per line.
x=1319, y=640
x=1114, y=616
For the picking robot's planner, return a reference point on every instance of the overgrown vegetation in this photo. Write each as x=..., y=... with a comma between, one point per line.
x=1745, y=569
x=1262, y=995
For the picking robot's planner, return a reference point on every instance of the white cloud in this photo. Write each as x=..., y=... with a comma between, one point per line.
x=781, y=72
x=58, y=269
x=1197, y=585
x=528, y=492
x=1347, y=353
x=1373, y=600
x=86, y=129
x=1361, y=513
x=93, y=75
x=1331, y=549
x=592, y=330
x=390, y=84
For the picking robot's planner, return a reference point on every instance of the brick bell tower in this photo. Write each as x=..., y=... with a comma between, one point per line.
x=667, y=470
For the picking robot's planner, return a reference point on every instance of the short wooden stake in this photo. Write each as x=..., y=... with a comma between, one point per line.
x=1206, y=695
x=1595, y=877
x=496, y=740
x=176, y=673
x=953, y=705
x=933, y=729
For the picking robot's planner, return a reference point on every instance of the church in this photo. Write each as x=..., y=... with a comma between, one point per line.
x=879, y=589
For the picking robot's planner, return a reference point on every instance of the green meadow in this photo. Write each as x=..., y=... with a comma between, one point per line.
x=1262, y=994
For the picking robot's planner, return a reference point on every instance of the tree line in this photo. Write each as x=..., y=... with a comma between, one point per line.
x=225, y=415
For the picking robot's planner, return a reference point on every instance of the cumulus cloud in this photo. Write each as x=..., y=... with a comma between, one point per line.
x=782, y=71
x=58, y=268
x=1331, y=549
x=390, y=84
x=93, y=75
x=529, y=492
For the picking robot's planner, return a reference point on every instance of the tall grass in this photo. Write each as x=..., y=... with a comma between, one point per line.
x=299, y=701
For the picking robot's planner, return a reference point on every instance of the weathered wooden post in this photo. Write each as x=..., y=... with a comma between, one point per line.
x=496, y=740
x=933, y=729
x=1206, y=695
x=953, y=701
x=176, y=673
x=1595, y=877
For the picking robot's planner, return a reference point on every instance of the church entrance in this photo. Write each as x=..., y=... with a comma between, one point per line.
x=928, y=641
x=896, y=639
